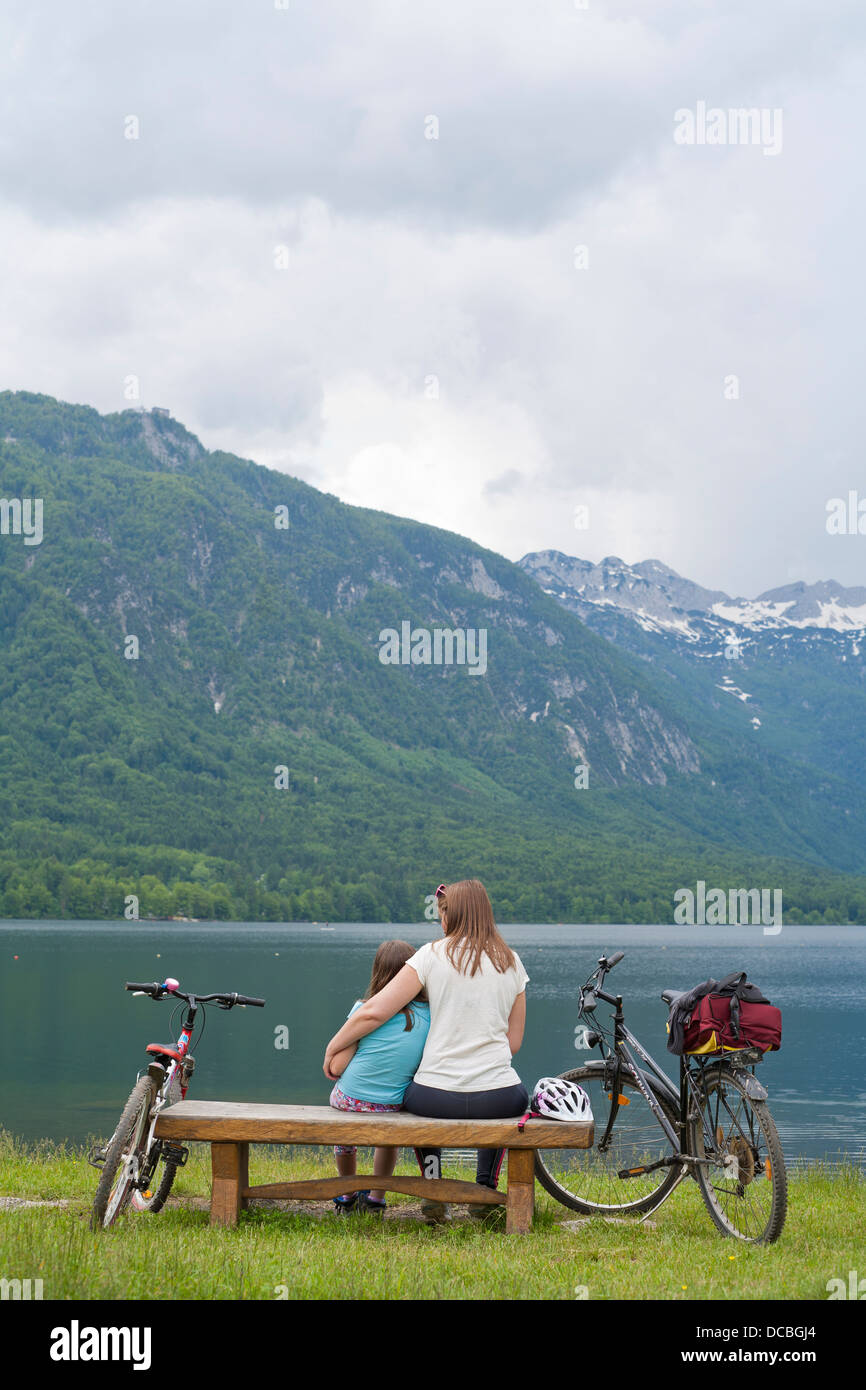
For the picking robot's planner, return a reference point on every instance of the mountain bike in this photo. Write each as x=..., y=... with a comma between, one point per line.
x=130, y=1159
x=651, y=1134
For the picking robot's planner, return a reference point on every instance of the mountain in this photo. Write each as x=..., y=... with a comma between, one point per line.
x=655, y=596
x=231, y=695
x=790, y=662
x=660, y=600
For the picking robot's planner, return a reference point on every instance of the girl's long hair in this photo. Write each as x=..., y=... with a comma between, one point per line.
x=470, y=930
x=388, y=962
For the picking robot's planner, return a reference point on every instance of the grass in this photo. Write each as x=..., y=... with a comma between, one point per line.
x=306, y=1254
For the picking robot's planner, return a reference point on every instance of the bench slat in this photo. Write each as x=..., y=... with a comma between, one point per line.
x=230, y=1121
x=441, y=1189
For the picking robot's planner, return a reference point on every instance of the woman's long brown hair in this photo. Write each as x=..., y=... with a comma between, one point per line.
x=470, y=930
x=388, y=962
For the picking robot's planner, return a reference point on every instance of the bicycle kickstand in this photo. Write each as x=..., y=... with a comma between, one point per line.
x=683, y=1173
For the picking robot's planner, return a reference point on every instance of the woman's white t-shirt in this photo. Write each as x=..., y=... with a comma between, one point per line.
x=467, y=1045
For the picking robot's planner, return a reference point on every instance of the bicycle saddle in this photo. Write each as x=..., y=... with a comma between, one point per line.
x=670, y=996
x=164, y=1048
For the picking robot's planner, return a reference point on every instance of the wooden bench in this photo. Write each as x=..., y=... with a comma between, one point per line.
x=230, y=1128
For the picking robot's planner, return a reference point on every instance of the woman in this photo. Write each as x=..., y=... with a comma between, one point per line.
x=476, y=987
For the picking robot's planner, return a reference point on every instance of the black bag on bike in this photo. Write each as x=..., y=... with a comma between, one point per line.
x=724, y=1016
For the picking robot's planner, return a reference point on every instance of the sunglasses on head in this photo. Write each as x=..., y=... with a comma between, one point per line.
x=440, y=890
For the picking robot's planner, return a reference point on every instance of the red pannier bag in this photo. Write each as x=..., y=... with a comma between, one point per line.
x=734, y=1016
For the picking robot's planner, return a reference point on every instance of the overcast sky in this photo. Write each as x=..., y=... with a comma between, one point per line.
x=425, y=342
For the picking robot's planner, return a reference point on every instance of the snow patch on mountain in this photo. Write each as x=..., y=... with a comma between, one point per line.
x=757, y=614
x=734, y=690
x=661, y=601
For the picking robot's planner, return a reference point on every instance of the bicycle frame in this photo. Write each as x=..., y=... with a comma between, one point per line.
x=619, y=1058
x=172, y=1071
x=625, y=1043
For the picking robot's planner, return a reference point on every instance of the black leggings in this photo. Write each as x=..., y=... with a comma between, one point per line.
x=465, y=1105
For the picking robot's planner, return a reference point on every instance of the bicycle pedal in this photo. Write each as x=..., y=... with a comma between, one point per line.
x=643, y=1168
x=176, y=1154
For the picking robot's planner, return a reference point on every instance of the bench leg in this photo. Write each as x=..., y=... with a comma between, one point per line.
x=520, y=1202
x=230, y=1171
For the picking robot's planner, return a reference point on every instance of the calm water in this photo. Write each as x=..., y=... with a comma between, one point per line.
x=72, y=1040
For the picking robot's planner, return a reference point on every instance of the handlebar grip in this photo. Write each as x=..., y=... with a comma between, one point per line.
x=245, y=999
x=614, y=959
x=146, y=989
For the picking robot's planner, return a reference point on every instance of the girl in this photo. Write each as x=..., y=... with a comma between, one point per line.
x=375, y=1071
x=476, y=985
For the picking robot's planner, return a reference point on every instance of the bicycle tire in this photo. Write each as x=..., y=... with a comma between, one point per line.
x=126, y=1142
x=596, y=1174
x=749, y=1150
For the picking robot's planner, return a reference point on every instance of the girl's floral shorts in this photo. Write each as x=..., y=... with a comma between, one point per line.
x=341, y=1102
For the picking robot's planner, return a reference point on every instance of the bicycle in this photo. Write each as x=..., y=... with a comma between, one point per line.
x=714, y=1127
x=129, y=1160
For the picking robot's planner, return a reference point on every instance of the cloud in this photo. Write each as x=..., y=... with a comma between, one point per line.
x=285, y=261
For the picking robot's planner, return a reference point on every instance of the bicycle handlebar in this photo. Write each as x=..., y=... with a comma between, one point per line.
x=227, y=1001
x=593, y=990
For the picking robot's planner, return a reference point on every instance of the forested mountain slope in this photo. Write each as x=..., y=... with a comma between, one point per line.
x=190, y=624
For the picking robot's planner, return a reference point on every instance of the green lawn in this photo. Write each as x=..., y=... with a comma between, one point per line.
x=309, y=1255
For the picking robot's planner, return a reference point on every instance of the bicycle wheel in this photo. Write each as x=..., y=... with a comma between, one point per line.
x=586, y=1179
x=124, y=1156
x=744, y=1186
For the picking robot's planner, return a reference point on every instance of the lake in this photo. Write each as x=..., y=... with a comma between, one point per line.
x=72, y=1039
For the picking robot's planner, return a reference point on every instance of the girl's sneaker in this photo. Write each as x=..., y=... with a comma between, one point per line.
x=368, y=1203
x=343, y=1205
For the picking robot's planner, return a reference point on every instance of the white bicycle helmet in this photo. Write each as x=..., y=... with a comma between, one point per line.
x=556, y=1099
